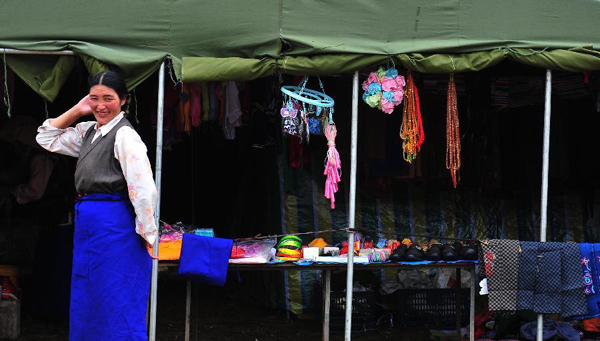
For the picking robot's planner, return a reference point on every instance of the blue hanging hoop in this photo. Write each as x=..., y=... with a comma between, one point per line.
x=308, y=96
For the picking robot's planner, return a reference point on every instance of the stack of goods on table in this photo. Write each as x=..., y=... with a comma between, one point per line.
x=171, y=236
x=292, y=248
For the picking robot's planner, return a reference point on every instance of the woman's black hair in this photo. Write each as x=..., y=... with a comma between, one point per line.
x=112, y=80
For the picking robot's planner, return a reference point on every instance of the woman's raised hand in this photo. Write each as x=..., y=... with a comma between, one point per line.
x=83, y=107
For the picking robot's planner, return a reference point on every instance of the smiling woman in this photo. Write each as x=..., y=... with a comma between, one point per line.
x=117, y=198
x=107, y=97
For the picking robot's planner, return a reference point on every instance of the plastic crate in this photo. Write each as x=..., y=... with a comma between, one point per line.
x=365, y=311
x=431, y=308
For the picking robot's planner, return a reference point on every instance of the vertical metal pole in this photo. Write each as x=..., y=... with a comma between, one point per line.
x=472, y=307
x=327, y=307
x=188, y=308
x=458, y=303
x=352, y=206
x=157, y=175
x=545, y=169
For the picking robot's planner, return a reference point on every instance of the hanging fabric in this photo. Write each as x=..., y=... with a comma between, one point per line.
x=411, y=130
x=333, y=165
x=452, y=134
x=195, y=92
x=184, y=108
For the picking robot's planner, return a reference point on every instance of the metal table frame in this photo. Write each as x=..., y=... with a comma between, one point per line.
x=326, y=270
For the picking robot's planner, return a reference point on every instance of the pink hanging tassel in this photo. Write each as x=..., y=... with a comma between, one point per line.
x=333, y=165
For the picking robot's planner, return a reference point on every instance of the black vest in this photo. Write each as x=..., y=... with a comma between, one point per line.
x=97, y=170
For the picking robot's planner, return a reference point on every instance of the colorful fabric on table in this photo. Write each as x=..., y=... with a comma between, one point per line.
x=111, y=272
x=205, y=259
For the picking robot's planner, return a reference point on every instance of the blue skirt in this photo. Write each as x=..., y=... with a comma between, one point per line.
x=111, y=272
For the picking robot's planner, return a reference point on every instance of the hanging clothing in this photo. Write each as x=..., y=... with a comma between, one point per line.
x=205, y=103
x=214, y=102
x=111, y=272
x=543, y=277
x=501, y=261
x=233, y=110
x=550, y=279
x=527, y=267
x=590, y=258
x=220, y=93
x=184, y=108
x=195, y=93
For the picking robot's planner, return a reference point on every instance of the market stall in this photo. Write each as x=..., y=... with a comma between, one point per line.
x=292, y=39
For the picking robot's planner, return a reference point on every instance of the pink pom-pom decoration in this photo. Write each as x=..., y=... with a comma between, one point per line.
x=384, y=89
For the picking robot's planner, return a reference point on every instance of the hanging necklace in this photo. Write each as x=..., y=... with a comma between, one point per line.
x=452, y=134
x=411, y=130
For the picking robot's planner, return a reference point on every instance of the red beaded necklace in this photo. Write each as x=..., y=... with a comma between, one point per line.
x=411, y=130
x=452, y=134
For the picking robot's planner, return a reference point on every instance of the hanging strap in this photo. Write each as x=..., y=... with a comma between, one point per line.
x=6, y=94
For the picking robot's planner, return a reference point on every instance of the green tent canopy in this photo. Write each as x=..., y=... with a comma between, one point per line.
x=294, y=36
x=201, y=69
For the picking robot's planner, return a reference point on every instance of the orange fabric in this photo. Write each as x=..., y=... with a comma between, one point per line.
x=169, y=250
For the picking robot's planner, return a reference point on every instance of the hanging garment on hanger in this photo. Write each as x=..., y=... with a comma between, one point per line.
x=590, y=261
x=501, y=261
x=184, y=108
x=233, y=110
x=205, y=102
x=543, y=277
x=220, y=92
x=214, y=102
x=195, y=93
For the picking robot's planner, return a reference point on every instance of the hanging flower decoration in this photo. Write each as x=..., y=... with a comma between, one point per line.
x=384, y=89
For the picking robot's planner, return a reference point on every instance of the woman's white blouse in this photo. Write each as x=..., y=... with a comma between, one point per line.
x=131, y=153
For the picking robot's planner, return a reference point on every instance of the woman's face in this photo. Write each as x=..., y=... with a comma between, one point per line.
x=105, y=103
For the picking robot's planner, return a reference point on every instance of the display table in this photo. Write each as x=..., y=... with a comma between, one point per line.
x=327, y=268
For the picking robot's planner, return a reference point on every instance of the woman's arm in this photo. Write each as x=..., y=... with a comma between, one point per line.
x=70, y=116
x=56, y=136
x=132, y=155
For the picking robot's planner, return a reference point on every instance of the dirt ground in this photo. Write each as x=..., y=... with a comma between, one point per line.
x=219, y=318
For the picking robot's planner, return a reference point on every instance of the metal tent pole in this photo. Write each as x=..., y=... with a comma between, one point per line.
x=56, y=53
x=352, y=206
x=157, y=175
x=545, y=169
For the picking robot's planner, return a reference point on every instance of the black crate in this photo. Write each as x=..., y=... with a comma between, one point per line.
x=365, y=311
x=431, y=308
